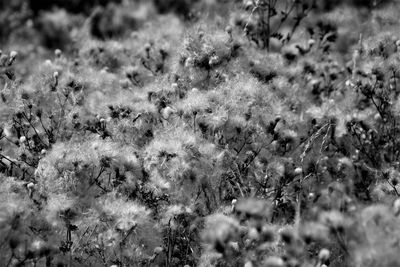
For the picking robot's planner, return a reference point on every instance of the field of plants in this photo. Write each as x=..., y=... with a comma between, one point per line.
x=249, y=133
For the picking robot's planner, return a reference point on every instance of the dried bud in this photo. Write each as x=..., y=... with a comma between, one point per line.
x=267, y=234
x=39, y=113
x=131, y=72
x=287, y=236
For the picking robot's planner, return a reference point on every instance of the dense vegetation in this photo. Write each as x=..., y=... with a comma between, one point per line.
x=199, y=133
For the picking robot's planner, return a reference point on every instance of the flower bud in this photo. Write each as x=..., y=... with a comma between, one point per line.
x=396, y=207
x=189, y=62
x=14, y=242
x=298, y=171
x=234, y=245
x=58, y=53
x=214, y=60
x=253, y=234
x=22, y=139
x=147, y=47
x=13, y=55
x=323, y=255
x=274, y=262
x=124, y=83
x=30, y=186
x=167, y=112
x=158, y=250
